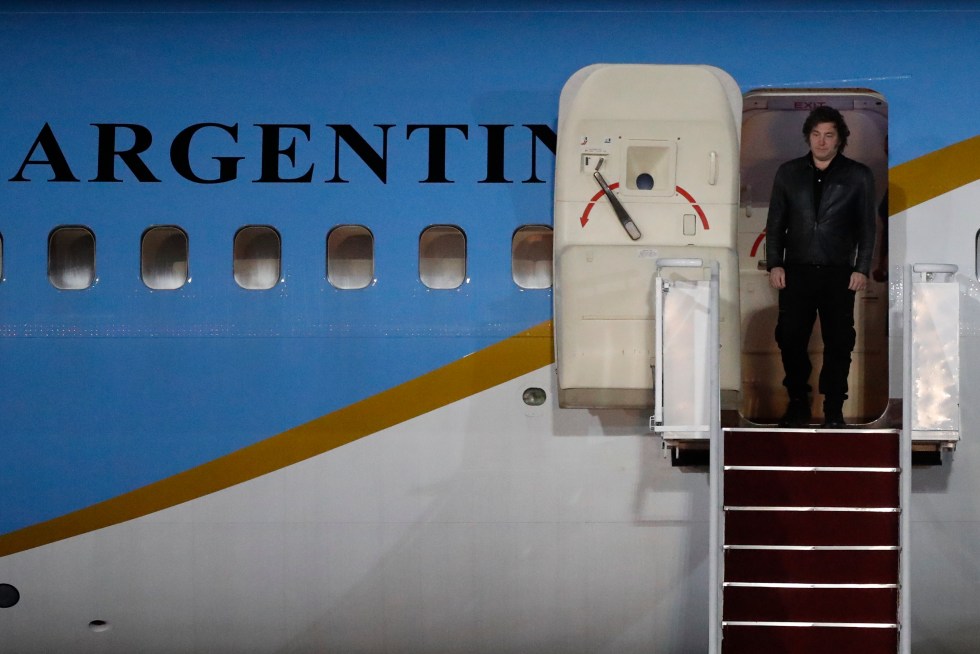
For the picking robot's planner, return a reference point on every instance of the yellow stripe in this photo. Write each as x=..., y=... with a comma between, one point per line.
x=931, y=175
x=472, y=374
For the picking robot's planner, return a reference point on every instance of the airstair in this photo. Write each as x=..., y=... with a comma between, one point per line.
x=809, y=526
x=809, y=540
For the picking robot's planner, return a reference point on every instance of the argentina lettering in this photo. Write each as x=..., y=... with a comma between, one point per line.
x=288, y=153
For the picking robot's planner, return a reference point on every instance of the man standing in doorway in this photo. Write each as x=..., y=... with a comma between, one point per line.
x=820, y=238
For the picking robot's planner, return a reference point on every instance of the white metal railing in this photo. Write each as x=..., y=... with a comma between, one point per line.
x=932, y=388
x=686, y=373
x=930, y=409
x=687, y=384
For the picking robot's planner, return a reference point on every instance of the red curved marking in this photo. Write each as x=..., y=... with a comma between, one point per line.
x=697, y=207
x=595, y=198
x=758, y=241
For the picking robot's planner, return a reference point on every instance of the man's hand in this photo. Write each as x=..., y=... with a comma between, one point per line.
x=859, y=282
x=777, y=278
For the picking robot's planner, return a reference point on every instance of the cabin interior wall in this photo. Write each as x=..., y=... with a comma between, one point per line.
x=771, y=134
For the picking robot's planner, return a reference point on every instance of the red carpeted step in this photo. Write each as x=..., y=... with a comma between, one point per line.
x=811, y=528
x=809, y=488
x=794, y=523
x=761, y=604
x=861, y=449
x=812, y=566
x=738, y=639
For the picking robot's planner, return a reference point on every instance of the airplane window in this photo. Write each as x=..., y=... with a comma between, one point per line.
x=257, y=257
x=442, y=257
x=163, y=258
x=350, y=257
x=71, y=258
x=531, y=253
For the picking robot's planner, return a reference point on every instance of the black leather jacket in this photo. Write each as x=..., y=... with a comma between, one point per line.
x=844, y=222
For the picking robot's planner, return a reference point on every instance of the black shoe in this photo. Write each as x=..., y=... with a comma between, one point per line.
x=797, y=413
x=834, y=420
x=833, y=413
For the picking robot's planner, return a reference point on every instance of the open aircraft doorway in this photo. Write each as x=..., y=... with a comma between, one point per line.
x=772, y=121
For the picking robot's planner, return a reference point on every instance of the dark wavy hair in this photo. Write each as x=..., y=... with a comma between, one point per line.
x=827, y=115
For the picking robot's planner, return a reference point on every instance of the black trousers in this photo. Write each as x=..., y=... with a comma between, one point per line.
x=813, y=291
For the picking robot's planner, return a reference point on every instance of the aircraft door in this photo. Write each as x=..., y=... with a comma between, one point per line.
x=646, y=169
x=772, y=134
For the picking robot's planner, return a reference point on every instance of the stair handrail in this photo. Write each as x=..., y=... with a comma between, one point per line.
x=913, y=272
x=714, y=343
x=716, y=442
